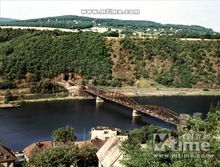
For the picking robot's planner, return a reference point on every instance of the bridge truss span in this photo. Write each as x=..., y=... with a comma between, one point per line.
x=158, y=112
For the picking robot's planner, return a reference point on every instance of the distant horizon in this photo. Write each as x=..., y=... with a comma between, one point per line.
x=108, y=18
x=202, y=13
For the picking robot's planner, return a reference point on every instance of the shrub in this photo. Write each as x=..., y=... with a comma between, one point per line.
x=47, y=87
x=62, y=156
x=7, y=85
x=115, y=82
x=130, y=81
x=8, y=96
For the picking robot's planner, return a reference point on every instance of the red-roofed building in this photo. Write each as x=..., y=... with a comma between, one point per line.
x=36, y=148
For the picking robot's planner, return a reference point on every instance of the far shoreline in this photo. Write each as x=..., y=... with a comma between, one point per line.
x=140, y=92
x=127, y=91
x=136, y=92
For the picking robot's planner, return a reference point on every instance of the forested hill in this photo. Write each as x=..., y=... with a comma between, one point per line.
x=124, y=26
x=3, y=19
x=167, y=61
x=32, y=56
x=46, y=54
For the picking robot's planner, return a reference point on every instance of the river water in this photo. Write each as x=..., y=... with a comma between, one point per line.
x=34, y=122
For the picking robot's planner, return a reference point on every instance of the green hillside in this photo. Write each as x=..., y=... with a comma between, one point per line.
x=168, y=61
x=46, y=54
x=110, y=61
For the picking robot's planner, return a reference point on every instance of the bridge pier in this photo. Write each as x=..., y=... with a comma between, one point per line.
x=99, y=100
x=135, y=114
x=158, y=112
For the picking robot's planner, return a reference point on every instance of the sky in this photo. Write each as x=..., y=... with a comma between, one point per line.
x=190, y=12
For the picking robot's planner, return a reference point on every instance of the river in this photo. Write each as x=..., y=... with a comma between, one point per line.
x=34, y=122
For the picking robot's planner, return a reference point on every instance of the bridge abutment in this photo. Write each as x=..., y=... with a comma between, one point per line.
x=135, y=113
x=99, y=100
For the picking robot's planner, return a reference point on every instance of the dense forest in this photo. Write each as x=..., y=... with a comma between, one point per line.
x=37, y=55
x=79, y=22
x=46, y=54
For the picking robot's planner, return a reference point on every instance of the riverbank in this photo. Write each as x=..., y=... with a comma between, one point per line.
x=140, y=92
x=128, y=91
x=18, y=103
x=133, y=92
x=57, y=98
x=9, y=105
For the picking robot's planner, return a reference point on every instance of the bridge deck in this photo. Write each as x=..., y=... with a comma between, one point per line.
x=161, y=113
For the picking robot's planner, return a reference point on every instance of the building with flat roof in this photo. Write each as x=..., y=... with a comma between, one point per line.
x=104, y=133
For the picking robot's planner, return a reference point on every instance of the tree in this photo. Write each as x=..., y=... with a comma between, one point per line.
x=47, y=87
x=7, y=85
x=75, y=53
x=62, y=156
x=130, y=81
x=212, y=118
x=8, y=96
x=87, y=157
x=111, y=33
x=64, y=134
x=9, y=50
x=139, y=156
x=115, y=82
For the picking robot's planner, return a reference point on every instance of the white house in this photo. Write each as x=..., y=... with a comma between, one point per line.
x=104, y=133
